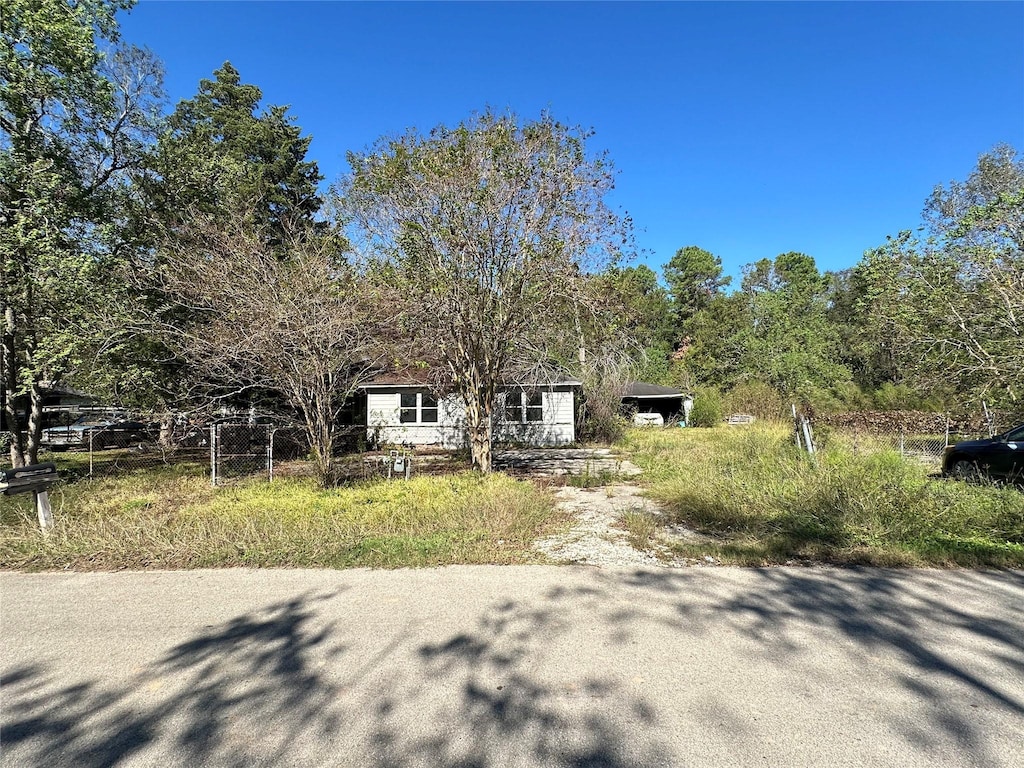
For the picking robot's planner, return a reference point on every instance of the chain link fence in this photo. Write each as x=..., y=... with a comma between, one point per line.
x=919, y=435
x=97, y=445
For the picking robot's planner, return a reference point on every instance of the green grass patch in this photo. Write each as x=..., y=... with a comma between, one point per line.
x=171, y=518
x=762, y=501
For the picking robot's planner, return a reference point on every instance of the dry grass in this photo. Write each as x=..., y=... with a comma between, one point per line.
x=764, y=502
x=641, y=528
x=172, y=518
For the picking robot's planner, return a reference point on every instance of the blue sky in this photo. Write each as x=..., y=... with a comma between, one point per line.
x=749, y=129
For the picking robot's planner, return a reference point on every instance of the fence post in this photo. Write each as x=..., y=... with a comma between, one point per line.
x=947, y=431
x=91, y=436
x=213, y=455
x=270, y=452
x=796, y=426
x=902, y=442
x=807, y=434
x=43, y=511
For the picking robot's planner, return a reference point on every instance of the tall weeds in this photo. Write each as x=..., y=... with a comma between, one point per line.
x=765, y=502
x=170, y=519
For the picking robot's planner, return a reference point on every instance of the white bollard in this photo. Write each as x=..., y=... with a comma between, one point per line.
x=43, y=511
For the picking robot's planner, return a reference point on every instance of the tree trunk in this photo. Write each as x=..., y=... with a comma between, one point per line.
x=34, y=433
x=166, y=431
x=319, y=418
x=8, y=366
x=478, y=424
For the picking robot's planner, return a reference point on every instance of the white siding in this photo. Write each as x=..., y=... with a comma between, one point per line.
x=383, y=425
x=557, y=426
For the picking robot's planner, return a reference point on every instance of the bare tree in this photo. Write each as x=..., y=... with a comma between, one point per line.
x=490, y=228
x=297, y=320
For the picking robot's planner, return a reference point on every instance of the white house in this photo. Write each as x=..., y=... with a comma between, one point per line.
x=400, y=410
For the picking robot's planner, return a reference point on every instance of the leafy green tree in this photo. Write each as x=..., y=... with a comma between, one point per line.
x=694, y=278
x=793, y=345
x=221, y=154
x=953, y=303
x=219, y=158
x=642, y=305
x=74, y=122
x=491, y=229
x=718, y=337
x=776, y=329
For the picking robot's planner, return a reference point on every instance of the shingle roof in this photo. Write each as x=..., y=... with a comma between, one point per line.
x=643, y=389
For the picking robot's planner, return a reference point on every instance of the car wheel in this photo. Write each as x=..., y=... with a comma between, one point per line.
x=963, y=469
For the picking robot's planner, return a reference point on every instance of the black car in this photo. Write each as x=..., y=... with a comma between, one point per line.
x=97, y=432
x=1000, y=457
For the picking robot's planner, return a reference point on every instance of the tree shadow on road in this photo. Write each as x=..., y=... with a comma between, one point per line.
x=252, y=669
x=505, y=686
x=958, y=653
x=496, y=708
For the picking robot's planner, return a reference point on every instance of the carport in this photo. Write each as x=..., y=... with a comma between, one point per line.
x=641, y=397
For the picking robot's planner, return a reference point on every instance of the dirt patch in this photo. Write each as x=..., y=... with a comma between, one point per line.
x=597, y=536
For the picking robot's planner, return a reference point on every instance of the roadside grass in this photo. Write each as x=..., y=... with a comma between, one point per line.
x=763, y=502
x=170, y=517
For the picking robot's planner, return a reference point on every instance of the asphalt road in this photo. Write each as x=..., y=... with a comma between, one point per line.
x=524, y=666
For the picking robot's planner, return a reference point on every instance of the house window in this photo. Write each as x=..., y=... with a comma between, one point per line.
x=428, y=408
x=524, y=406
x=417, y=408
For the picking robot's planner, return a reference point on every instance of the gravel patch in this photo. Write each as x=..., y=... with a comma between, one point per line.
x=595, y=538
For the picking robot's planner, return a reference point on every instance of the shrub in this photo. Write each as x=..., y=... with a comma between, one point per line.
x=707, y=409
x=757, y=398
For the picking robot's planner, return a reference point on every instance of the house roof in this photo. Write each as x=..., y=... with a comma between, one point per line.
x=420, y=378
x=406, y=377
x=641, y=389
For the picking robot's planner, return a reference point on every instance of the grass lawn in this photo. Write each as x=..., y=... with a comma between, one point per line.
x=170, y=517
x=760, y=502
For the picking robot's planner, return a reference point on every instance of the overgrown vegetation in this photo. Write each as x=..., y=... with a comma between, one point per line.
x=172, y=518
x=763, y=502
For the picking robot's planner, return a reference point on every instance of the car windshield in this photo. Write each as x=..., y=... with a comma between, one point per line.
x=91, y=421
x=1015, y=434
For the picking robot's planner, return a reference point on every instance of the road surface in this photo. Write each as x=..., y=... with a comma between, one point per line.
x=513, y=666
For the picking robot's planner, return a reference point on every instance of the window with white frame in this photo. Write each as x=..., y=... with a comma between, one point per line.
x=417, y=408
x=524, y=406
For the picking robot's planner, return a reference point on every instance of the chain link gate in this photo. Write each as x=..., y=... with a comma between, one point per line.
x=240, y=450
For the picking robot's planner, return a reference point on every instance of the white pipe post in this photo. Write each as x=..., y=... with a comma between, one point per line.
x=43, y=511
x=807, y=434
x=270, y=452
x=213, y=455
